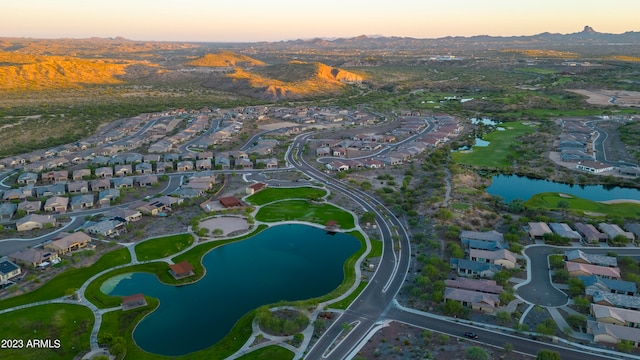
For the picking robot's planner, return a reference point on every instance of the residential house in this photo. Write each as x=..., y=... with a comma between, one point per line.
x=60, y=176
x=80, y=202
x=492, y=236
x=223, y=163
x=146, y=181
x=593, y=259
x=13, y=195
x=123, y=170
x=7, y=210
x=244, y=163
x=36, y=257
x=129, y=215
x=372, y=163
x=616, y=316
x=151, y=158
x=78, y=187
x=124, y=182
x=29, y=207
x=164, y=166
x=107, y=227
x=105, y=197
x=616, y=300
x=56, y=204
x=577, y=269
x=613, y=230
x=537, y=230
x=81, y=174
x=337, y=165
x=480, y=285
x=34, y=221
x=183, y=166
x=271, y=163
x=204, y=155
x=502, y=257
x=104, y=172
x=612, y=334
x=595, y=167
x=100, y=184
x=27, y=178
x=8, y=270
x=474, y=268
x=565, y=231
x=68, y=243
x=144, y=168
x=50, y=190
x=613, y=286
x=589, y=233
x=203, y=164
x=323, y=151
x=473, y=299
x=634, y=229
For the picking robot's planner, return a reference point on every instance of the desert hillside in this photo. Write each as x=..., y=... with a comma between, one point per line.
x=34, y=72
x=294, y=80
x=225, y=59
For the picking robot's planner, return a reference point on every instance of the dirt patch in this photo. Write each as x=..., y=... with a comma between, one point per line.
x=227, y=224
x=400, y=341
x=610, y=97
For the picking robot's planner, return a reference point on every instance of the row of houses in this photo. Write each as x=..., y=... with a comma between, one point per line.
x=486, y=254
x=583, y=232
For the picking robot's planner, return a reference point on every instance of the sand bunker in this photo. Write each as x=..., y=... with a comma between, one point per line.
x=227, y=224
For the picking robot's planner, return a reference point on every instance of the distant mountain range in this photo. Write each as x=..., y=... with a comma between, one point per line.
x=588, y=36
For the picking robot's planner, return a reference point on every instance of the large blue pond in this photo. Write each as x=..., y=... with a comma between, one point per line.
x=285, y=262
x=510, y=187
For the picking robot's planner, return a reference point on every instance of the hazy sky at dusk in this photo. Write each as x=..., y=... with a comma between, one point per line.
x=272, y=20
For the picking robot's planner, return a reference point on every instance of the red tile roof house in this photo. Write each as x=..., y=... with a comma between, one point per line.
x=181, y=270
x=133, y=302
x=254, y=188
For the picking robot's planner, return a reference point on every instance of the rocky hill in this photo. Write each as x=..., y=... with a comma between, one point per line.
x=293, y=80
x=35, y=72
x=225, y=59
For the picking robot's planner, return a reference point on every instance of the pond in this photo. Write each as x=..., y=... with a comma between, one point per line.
x=484, y=121
x=284, y=262
x=510, y=187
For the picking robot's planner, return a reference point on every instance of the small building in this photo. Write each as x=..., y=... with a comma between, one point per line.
x=57, y=204
x=229, y=201
x=473, y=299
x=613, y=230
x=613, y=286
x=565, y=231
x=593, y=259
x=133, y=302
x=7, y=210
x=254, y=188
x=502, y=257
x=181, y=270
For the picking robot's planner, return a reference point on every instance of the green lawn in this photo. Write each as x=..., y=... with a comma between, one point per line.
x=272, y=194
x=497, y=154
x=376, y=249
x=120, y=323
x=70, y=279
x=303, y=210
x=344, y=303
x=576, y=204
x=71, y=324
x=460, y=206
x=163, y=246
x=271, y=352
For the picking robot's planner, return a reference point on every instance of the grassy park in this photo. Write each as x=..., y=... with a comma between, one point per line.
x=272, y=194
x=499, y=153
x=268, y=353
x=70, y=279
x=554, y=201
x=163, y=246
x=303, y=210
x=71, y=324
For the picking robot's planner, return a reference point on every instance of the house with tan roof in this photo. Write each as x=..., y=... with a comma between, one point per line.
x=616, y=316
x=537, y=230
x=56, y=204
x=480, y=285
x=35, y=257
x=473, y=299
x=68, y=243
x=502, y=257
x=612, y=334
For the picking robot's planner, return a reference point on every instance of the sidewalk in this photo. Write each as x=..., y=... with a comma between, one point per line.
x=562, y=324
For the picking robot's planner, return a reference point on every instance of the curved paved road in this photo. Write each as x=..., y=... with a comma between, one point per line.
x=538, y=289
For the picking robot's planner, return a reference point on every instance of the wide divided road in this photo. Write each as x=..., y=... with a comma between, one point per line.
x=368, y=308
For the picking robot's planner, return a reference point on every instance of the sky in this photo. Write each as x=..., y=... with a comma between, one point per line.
x=275, y=20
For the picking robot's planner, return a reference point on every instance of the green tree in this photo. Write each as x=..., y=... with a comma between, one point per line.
x=368, y=217
x=508, y=347
x=577, y=321
x=453, y=308
x=556, y=261
x=625, y=346
x=576, y=287
x=455, y=251
x=546, y=354
x=477, y=353
x=503, y=317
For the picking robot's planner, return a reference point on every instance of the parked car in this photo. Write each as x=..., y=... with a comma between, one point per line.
x=471, y=335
